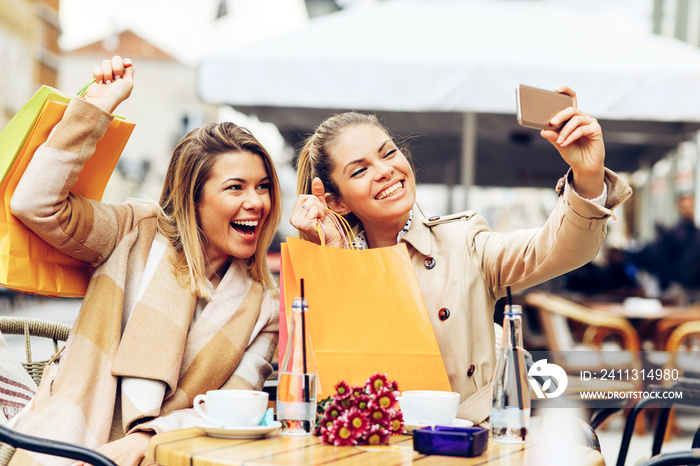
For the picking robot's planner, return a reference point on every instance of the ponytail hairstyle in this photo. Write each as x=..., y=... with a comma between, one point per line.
x=315, y=159
x=189, y=169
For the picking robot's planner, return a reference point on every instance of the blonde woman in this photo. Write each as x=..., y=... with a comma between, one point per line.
x=351, y=165
x=181, y=300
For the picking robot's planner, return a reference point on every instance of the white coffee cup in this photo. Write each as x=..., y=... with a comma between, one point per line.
x=430, y=407
x=232, y=408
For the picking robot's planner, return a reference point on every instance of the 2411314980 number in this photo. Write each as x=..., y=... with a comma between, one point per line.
x=631, y=374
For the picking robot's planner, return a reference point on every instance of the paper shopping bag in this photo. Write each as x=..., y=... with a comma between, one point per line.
x=366, y=315
x=27, y=263
x=15, y=133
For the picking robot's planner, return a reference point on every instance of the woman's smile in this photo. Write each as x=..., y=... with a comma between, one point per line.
x=248, y=229
x=391, y=191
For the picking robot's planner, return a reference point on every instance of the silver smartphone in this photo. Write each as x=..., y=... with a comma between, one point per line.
x=535, y=107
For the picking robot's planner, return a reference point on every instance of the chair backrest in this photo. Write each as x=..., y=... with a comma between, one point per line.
x=30, y=328
x=678, y=357
x=53, y=447
x=681, y=334
x=35, y=328
x=599, y=323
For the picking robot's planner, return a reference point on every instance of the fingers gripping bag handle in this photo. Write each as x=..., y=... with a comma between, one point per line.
x=347, y=236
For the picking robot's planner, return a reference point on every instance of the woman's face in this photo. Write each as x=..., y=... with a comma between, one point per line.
x=375, y=180
x=234, y=205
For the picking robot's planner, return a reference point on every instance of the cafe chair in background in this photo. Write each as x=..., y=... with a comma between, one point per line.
x=55, y=331
x=603, y=337
x=684, y=336
x=664, y=327
x=603, y=341
x=30, y=328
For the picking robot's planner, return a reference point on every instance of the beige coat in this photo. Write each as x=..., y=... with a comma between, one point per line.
x=135, y=359
x=463, y=268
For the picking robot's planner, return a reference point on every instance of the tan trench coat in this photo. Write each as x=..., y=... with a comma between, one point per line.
x=463, y=268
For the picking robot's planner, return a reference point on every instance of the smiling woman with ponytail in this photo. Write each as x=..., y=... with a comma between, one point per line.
x=352, y=166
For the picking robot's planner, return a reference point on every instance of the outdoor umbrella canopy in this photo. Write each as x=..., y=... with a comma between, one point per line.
x=445, y=72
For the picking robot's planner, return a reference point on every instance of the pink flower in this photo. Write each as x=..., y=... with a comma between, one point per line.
x=362, y=402
x=367, y=414
x=342, y=389
x=334, y=410
x=343, y=434
x=387, y=399
x=376, y=383
x=396, y=421
x=378, y=436
x=377, y=414
x=357, y=420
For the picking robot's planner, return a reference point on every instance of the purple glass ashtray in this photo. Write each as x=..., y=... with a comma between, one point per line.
x=451, y=441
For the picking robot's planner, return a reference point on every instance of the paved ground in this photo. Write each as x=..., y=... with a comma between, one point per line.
x=66, y=310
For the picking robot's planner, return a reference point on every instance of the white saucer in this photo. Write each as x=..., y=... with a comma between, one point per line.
x=456, y=423
x=238, y=432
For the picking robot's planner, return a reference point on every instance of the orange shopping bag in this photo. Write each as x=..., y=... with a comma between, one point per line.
x=28, y=263
x=366, y=314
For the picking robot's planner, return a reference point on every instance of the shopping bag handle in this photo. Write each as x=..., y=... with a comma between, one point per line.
x=82, y=91
x=347, y=236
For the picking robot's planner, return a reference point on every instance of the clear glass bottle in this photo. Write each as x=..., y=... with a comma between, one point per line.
x=296, y=389
x=510, y=395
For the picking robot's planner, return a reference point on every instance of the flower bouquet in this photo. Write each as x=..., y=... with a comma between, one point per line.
x=366, y=415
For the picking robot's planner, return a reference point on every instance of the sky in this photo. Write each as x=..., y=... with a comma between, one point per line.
x=186, y=29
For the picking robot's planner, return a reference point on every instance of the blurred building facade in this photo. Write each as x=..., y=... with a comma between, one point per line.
x=29, y=52
x=677, y=18
x=658, y=186
x=164, y=106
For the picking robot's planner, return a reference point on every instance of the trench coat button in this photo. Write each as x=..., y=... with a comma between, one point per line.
x=433, y=218
x=444, y=313
x=470, y=370
x=429, y=263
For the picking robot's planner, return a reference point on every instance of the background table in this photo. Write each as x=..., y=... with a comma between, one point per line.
x=191, y=447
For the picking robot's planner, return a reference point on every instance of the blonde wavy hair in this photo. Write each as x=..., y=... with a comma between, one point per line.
x=189, y=169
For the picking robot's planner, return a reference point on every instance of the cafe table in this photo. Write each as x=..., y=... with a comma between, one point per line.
x=192, y=447
x=653, y=323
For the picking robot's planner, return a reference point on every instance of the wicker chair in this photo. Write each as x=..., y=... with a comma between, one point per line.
x=31, y=328
x=35, y=328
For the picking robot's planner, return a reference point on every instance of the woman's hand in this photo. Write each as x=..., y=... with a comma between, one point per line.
x=126, y=451
x=580, y=143
x=308, y=209
x=114, y=80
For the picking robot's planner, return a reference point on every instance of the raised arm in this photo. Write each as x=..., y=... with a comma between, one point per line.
x=580, y=144
x=83, y=229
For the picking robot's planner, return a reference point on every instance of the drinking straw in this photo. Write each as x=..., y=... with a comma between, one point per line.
x=303, y=326
x=303, y=346
x=523, y=429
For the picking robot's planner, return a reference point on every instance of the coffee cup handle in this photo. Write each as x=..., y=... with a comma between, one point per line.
x=197, y=405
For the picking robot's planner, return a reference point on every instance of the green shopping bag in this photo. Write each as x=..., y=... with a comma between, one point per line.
x=15, y=134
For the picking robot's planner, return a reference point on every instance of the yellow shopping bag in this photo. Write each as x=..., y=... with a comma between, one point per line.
x=366, y=314
x=27, y=263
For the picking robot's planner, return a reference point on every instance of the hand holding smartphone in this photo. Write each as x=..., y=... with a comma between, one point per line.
x=535, y=107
